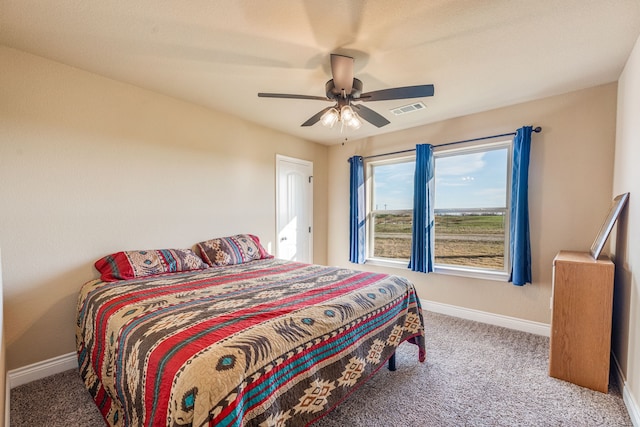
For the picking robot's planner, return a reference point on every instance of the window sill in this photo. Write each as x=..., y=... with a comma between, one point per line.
x=447, y=270
x=385, y=262
x=475, y=273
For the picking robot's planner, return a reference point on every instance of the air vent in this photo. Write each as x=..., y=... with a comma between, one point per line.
x=408, y=108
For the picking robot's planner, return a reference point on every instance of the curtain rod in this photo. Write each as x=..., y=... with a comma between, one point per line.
x=536, y=130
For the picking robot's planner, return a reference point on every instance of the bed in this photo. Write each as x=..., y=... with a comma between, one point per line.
x=266, y=342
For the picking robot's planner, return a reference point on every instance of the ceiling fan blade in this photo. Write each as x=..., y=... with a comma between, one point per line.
x=286, y=95
x=342, y=71
x=371, y=116
x=398, y=93
x=316, y=117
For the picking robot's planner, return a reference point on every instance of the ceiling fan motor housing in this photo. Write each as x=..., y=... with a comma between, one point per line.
x=333, y=93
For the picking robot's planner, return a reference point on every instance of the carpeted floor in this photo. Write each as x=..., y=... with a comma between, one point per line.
x=475, y=375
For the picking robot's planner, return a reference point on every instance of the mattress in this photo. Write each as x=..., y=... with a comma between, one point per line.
x=268, y=342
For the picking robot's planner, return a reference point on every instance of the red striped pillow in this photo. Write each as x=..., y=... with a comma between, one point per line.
x=232, y=250
x=132, y=264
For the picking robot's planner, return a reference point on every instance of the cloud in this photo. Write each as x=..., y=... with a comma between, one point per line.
x=463, y=165
x=394, y=185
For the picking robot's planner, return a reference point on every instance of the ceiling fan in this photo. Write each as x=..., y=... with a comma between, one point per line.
x=344, y=89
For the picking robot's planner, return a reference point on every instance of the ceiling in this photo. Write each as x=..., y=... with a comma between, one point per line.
x=479, y=55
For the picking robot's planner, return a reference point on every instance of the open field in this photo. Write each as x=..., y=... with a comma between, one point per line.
x=470, y=240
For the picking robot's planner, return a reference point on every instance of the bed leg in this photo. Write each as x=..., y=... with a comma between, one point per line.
x=392, y=362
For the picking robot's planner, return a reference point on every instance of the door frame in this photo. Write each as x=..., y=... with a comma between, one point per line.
x=309, y=164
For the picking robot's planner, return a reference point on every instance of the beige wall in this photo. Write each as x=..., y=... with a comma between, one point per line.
x=570, y=180
x=3, y=370
x=89, y=166
x=626, y=245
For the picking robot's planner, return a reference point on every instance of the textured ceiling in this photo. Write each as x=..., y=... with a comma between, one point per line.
x=479, y=54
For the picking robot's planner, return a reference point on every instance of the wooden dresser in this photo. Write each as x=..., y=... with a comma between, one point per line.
x=582, y=302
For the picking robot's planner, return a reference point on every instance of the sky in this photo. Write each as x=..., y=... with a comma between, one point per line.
x=473, y=180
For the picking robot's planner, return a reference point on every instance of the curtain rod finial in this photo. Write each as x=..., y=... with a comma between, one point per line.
x=537, y=129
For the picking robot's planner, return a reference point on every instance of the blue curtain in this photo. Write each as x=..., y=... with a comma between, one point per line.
x=519, y=241
x=356, y=211
x=422, y=237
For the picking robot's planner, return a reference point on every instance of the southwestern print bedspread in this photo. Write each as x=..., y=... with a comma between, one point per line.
x=266, y=343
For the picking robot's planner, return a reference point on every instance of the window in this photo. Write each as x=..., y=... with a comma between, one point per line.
x=471, y=208
x=471, y=215
x=391, y=209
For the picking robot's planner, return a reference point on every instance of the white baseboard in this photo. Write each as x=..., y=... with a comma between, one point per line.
x=535, y=328
x=7, y=401
x=39, y=370
x=530, y=326
x=632, y=406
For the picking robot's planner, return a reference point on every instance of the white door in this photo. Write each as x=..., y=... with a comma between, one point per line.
x=294, y=209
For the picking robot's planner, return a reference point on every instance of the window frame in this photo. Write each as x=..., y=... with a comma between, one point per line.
x=369, y=179
x=445, y=269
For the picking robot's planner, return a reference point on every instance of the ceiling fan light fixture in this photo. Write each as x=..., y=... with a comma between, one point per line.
x=330, y=118
x=346, y=113
x=354, y=123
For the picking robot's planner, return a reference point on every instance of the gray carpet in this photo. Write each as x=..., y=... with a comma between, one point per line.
x=475, y=375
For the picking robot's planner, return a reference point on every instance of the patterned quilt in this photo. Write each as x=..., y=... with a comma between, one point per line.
x=266, y=343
